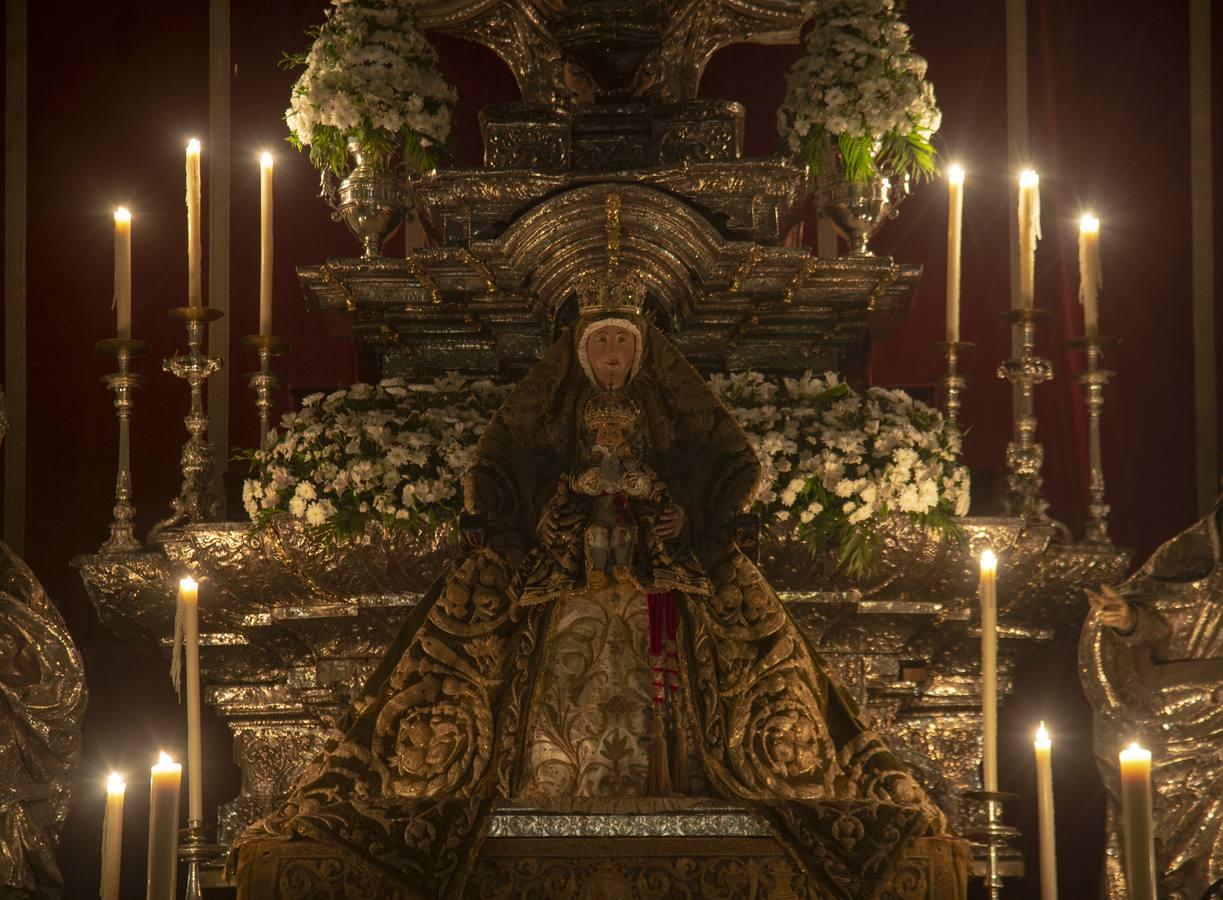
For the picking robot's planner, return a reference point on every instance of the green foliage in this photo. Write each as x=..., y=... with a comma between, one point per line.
x=897, y=155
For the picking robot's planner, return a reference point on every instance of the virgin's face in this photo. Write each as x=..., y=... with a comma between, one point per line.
x=611, y=351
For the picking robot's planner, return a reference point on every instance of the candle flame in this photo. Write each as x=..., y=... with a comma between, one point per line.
x=988, y=559
x=188, y=584
x=1089, y=224
x=1028, y=179
x=1042, y=734
x=265, y=160
x=1135, y=753
x=955, y=174
x=115, y=783
x=123, y=214
x=164, y=759
x=193, y=147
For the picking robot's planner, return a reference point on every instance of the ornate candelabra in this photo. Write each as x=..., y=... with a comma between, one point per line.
x=1093, y=380
x=1024, y=455
x=995, y=837
x=953, y=383
x=124, y=383
x=265, y=382
x=194, y=850
x=195, y=501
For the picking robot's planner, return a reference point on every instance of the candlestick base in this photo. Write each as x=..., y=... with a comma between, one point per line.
x=123, y=384
x=195, y=501
x=953, y=383
x=194, y=850
x=1024, y=455
x=1093, y=380
x=995, y=837
x=265, y=383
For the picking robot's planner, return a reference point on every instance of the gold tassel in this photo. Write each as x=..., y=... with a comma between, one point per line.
x=658, y=776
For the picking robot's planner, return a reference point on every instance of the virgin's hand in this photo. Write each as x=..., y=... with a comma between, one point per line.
x=1111, y=609
x=670, y=522
x=557, y=522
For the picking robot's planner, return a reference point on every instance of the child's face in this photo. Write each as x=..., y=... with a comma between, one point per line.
x=609, y=436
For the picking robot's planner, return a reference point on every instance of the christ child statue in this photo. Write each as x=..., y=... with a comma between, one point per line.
x=617, y=484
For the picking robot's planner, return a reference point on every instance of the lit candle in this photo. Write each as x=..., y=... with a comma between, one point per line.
x=195, y=293
x=112, y=837
x=265, y=244
x=1044, y=811
x=988, y=591
x=1029, y=234
x=1137, y=832
x=1089, y=272
x=955, y=227
x=163, y=829
x=188, y=598
x=123, y=273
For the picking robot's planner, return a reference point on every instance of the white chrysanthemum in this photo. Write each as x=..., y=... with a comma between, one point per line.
x=370, y=68
x=859, y=77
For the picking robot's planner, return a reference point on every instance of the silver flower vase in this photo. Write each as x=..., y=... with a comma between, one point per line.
x=857, y=210
x=370, y=200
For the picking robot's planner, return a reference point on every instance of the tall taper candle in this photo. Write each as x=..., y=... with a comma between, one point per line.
x=195, y=291
x=955, y=228
x=265, y=244
x=988, y=591
x=1044, y=811
x=1029, y=234
x=1089, y=272
x=188, y=597
x=1137, y=832
x=112, y=837
x=164, y=786
x=123, y=274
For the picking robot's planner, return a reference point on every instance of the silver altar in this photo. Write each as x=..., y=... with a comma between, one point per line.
x=291, y=627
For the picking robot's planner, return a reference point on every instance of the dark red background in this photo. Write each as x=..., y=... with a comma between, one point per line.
x=117, y=88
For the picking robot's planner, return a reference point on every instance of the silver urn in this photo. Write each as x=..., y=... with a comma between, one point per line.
x=370, y=200
x=856, y=210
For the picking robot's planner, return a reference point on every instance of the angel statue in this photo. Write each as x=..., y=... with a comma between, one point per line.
x=1151, y=658
x=42, y=702
x=520, y=678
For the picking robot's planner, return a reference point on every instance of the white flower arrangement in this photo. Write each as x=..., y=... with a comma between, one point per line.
x=861, y=87
x=392, y=453
x=371, y=78
x=836, y=463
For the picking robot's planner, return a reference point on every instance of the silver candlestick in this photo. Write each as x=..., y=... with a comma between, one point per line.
x=1024, y=456
x=265, y=382
x=195, y=501
x=953, y=383
x=194, y=850
x=995, y=837
x=1093, y=380
x=123, y=383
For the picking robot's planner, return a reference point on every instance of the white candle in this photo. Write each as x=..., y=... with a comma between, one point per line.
x=955, y=228
x=1044, y=811
x=1029, y=234
x=988, y=591
x=1137, y=831
x=188, y=598
x=163, y=829
x=112, y=837
x=123, y=273
x=1089, y=272
x=265, y=244
x=195, y=293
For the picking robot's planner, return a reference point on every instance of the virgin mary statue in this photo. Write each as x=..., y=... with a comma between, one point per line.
x=519, y=680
